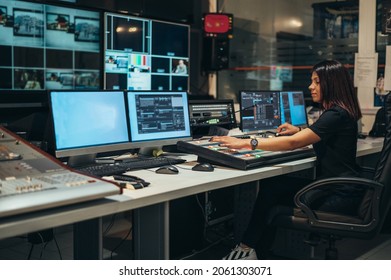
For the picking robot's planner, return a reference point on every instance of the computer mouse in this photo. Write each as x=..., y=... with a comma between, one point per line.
x=168, y=169
x=203, y=167
x=361, y=136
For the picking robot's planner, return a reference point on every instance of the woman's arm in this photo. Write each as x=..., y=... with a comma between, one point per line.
x=300, y=139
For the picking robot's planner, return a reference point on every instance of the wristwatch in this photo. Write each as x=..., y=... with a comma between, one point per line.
x=253, y=143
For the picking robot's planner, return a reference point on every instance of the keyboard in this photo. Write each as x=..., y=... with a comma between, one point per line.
x=137, y=163
x=265, y=134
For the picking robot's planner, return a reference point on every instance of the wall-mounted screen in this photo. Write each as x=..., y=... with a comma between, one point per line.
x=145, y=54
x=46, y=47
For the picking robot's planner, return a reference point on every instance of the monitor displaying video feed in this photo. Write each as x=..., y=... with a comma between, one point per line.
x=293, y=108
x=145, y=54
x=158, y=118
x=219, y=112
x=211, y=117
x=259, y=110
x=41, y=43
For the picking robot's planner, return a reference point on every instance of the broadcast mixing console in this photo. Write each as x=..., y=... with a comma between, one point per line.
x=243, y=159
x=31, y=180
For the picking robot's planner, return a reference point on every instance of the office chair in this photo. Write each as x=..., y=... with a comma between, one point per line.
x=331, y=226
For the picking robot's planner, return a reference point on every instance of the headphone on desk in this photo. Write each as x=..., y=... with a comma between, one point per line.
x=130, y=181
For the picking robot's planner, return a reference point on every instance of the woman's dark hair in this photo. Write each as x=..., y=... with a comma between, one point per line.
x=337, y=87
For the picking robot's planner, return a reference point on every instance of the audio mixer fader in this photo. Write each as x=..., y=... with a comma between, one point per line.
x=32, y=180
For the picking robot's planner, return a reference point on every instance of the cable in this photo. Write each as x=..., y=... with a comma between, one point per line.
x=108, y=228
x=119, y=244
x=58, y=247
x=206, y=223
x=43, y=249
x=222, y=7
x=31, y=251
x=32, y=246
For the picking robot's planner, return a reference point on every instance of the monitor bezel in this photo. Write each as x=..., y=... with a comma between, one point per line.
x=47, y=8
x=86, y=150
x=159, y=142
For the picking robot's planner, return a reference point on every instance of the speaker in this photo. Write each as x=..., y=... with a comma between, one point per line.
x=216, y=54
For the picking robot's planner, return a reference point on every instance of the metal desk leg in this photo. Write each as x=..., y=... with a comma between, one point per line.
x=87, y=240
x=151, y=232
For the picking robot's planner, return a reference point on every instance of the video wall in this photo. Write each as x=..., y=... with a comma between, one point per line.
x=45, y=47
x=58, y=47
x=145, y=54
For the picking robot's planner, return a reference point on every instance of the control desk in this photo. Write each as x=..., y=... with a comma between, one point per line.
x=31, y=180
x=151, y=205
x=243, y=159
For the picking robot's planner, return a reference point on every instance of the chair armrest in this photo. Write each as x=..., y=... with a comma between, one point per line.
x=367, y=169
x=331, y=183
x=367, y=172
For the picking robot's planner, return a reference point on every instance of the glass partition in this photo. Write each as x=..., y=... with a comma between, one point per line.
x=275, y=43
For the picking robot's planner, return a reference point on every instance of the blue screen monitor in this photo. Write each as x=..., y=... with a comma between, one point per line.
x=88, y=122
x=259, y=110
x=293, y=108
x=158, y=118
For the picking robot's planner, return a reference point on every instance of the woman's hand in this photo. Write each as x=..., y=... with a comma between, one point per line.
x=231, y=142
x=287, y=129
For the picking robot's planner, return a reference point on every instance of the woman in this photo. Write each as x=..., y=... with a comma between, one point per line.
x=334, y=139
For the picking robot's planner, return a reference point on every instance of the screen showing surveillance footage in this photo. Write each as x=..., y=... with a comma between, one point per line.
x=145, y=54
x=46, y=47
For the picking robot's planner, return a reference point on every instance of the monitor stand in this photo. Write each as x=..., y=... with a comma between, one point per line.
x=151, y=151
x=74, y=161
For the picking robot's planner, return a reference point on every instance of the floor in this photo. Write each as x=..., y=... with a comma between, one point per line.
x=217, y=241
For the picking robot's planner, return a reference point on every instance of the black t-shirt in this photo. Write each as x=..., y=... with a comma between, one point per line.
x=336, y=152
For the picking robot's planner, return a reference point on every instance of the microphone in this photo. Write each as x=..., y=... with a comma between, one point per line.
x=244, y=109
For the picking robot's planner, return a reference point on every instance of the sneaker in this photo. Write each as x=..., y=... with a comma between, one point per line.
x=239, y=253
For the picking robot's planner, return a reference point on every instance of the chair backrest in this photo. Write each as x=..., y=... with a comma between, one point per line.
x=383, y=168
x=379, y=125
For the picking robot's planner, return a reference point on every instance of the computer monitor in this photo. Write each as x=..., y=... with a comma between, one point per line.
x=259, y=110
x=293, y=108
x=158, y=118
x=88, y=122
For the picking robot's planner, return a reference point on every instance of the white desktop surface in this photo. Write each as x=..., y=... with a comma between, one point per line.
x=163, y=188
